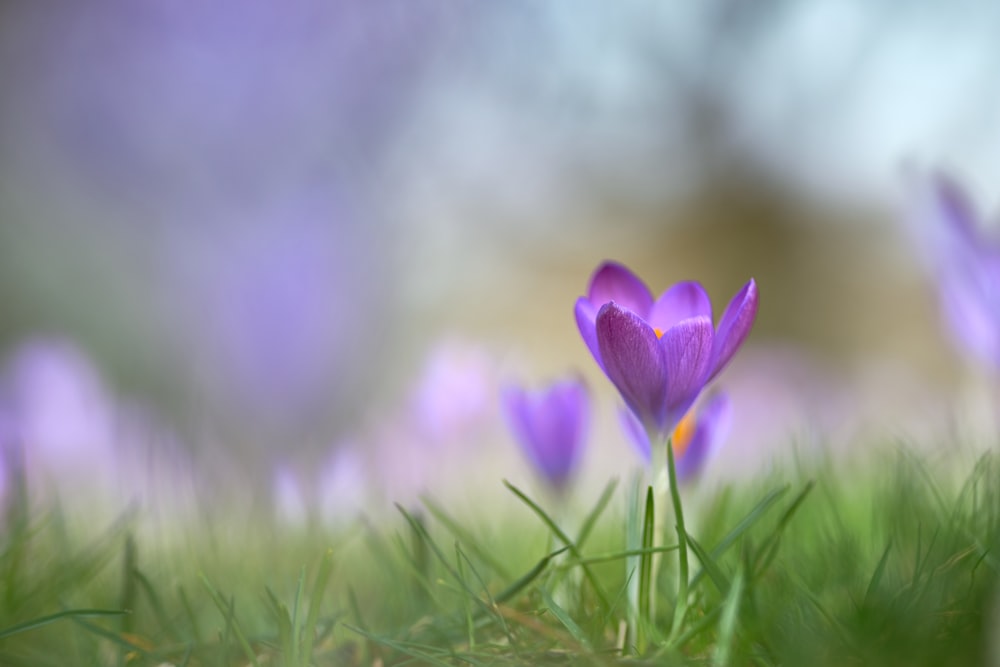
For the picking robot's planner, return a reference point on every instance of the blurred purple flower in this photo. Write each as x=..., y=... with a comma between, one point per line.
x=334, y=492
x=551, y=425
x=968, y=268
x=68, y=437
x=62, y=417
x=696, y=437
x=660, y=354
x=266, y=321
x=344, y=484
x=454, y=393
x=290, y=503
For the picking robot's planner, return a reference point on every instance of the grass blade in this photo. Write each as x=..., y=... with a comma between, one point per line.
x=229, y=614
x=58, y=616
x=574, y=551
x=465, y=537
x=709, y=565
x=532, y=574
x=745, y=524
x=315, y=603
x=877, y=574
x=575, y=630
x=646, y=573
x=727, y=622
x=591, y=519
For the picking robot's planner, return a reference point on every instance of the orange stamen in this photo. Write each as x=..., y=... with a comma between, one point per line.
x=684, y=433
x=658, y=332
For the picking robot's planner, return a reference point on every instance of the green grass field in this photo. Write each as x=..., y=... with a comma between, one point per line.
x=889, y=562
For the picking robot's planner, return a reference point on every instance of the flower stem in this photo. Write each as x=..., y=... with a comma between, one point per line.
x=680, y=611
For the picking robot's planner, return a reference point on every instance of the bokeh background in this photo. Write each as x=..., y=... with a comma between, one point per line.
x=296, y=247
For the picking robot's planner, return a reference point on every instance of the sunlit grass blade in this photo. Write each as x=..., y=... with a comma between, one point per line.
x=727, y=622
x=470, y=630
x=422, y=652
x=709, y=565
x=128, y=594
x=589, y=521
x=466, y=537
x=294, y=657
x=646, y=579
x=745, y=524
x=315, y=604
x=526, y=579
x=877, y=574
x=565, y=619
x=164, y=621
x=229, y=615
x=491, y=602
x=683, y=577
x=611, y=557
x=286, y=639
x=421, y=531
x=58, y=616
x=558, y=532
x=126, y=643
x=189, y=613
x=769, y=548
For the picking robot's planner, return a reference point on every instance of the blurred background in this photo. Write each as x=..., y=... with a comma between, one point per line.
x=256, y=241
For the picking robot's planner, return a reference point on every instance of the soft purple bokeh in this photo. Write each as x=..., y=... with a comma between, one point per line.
x=660, y=354
x=72, y=440
x=63, y=417
x=222, y=169
x=278, y=327
x=334, y=493
x=290, y=496
x=434, y=438
x=697, y=441
x=967, y=264
x=172, y=107
x=455, y=391
x=550, y=424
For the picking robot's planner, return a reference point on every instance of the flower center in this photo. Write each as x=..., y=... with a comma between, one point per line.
x=658, y=332
x=683, y=433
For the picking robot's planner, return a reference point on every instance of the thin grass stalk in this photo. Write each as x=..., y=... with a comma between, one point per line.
x=680, y=610
x=633, y=545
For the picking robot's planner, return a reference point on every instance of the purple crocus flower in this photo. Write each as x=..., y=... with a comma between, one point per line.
x=550, y=424
x=695, y=438
x=660, y=353
x=968, y=266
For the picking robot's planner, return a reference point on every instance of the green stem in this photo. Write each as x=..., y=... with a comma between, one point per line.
x=682, y=585
x=633, y=541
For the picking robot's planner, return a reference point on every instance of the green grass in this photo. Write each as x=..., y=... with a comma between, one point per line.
x=891, y=562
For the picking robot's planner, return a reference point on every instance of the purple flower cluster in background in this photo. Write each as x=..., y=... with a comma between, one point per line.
x=660, y=353
x=66, y=437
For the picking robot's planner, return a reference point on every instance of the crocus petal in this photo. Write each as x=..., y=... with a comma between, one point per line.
x=683, y=300
x=586, y=314
x=560, y=422
x=687, y=354
x=712, y=426
x=734, y=327
x=614, y=282
x=513, y=400
x=633, y=360
x=549, y=426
